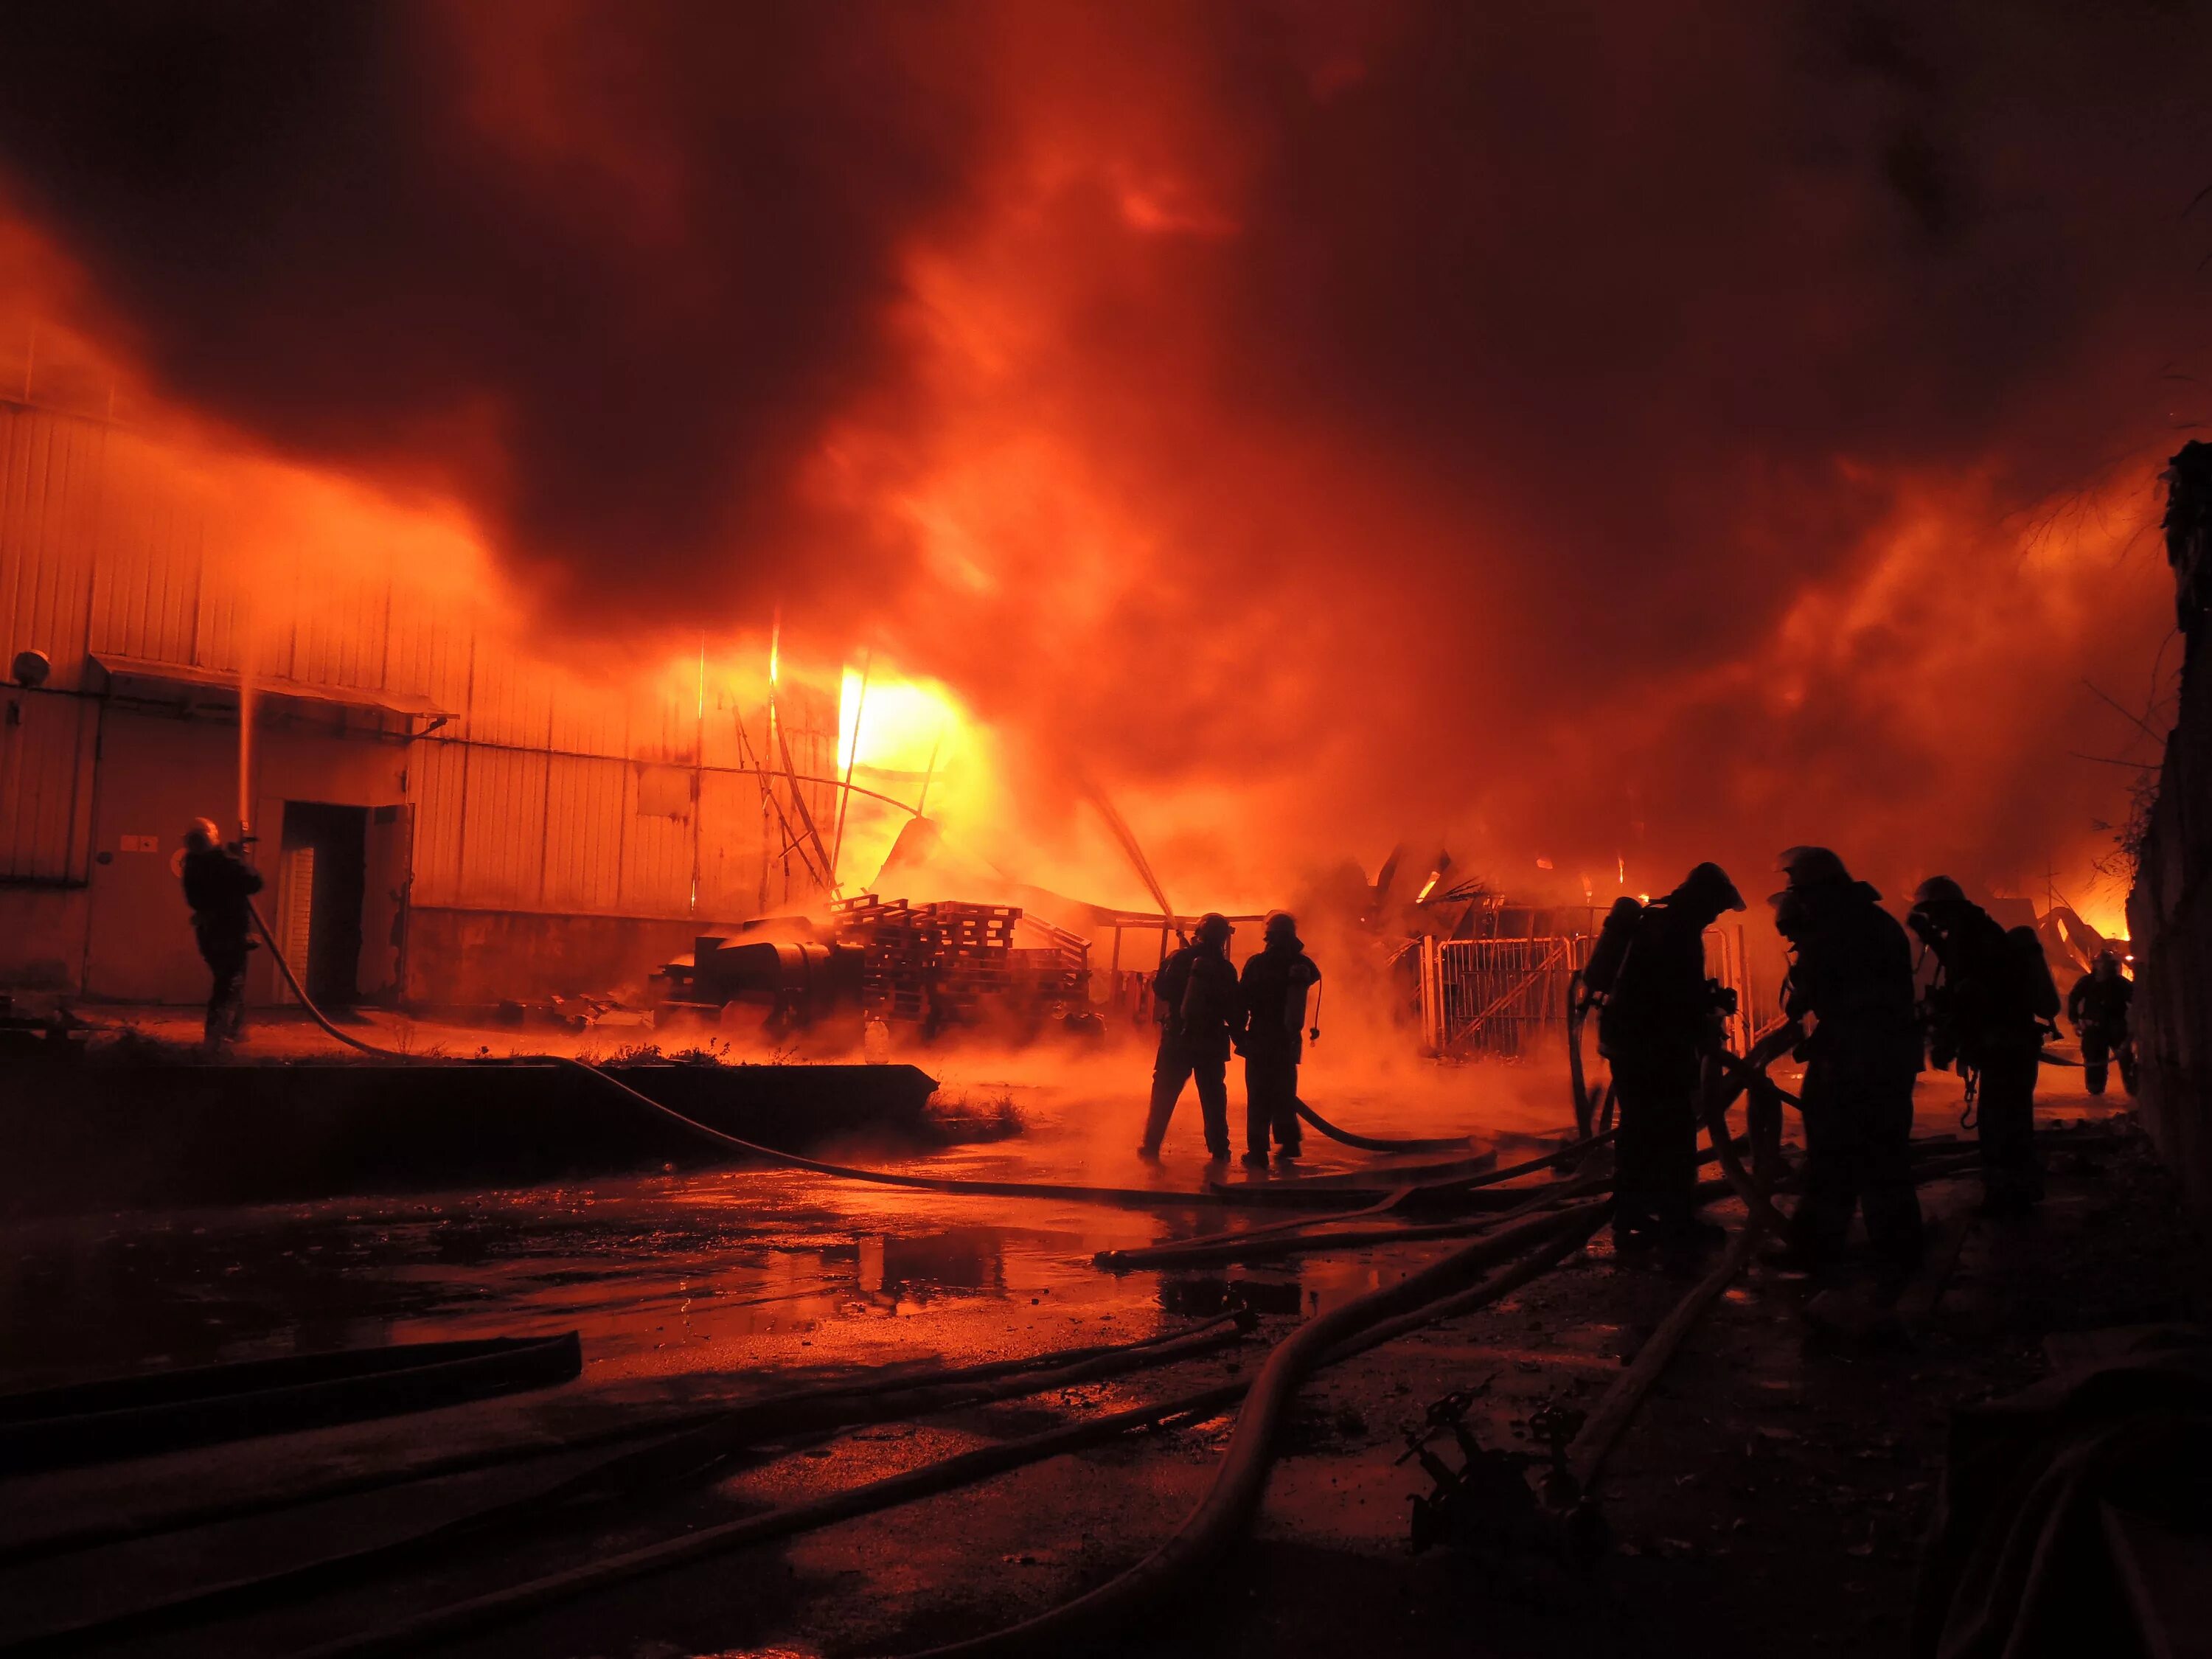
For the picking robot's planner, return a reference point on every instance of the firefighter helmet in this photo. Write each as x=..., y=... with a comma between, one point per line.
x=1811, y=867
x=1711, y=883
x=1938, y=890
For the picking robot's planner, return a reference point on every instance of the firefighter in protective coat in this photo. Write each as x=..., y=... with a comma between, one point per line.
x=1983, y=1010
x=219, y=885
x=1196, y=1001
x=1851, y=975
x=2097, y=1008
x=1275, y=983
x=1662, y=1018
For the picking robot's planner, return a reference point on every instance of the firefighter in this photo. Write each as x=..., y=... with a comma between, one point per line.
x=1983, y=1011
x=1196, y=1001
x=1662, y=1018
x=218, y=884
x=1274, y=986
x=2097, y=1008
x=1851, y=973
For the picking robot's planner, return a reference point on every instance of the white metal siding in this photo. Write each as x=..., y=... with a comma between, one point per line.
x=584, y=836
x=49, y=512
x=549, y=789
x=45, y=805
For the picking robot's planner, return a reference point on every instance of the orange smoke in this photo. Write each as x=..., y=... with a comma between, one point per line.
x=1587, y=444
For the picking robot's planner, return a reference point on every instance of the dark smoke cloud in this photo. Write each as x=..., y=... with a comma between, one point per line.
x=1436, y=413
x=622, y=262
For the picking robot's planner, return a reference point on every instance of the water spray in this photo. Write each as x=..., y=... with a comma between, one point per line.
x=246, y=699
x=1128, y=842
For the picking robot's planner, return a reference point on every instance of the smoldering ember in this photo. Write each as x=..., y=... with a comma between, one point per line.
x=1034, y=828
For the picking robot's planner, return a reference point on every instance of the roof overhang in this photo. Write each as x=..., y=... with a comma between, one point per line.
x=142, y=676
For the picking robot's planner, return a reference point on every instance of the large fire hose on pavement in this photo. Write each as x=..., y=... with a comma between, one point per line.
x=1375, y=1144
x=1179, y=1567
x=691, y=1452
x=1440, y=1292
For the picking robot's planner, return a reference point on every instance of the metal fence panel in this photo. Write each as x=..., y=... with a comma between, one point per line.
x=1500, y=996
x=1497, y=996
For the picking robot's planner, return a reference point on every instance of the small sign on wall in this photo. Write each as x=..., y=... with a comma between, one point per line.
x=142, y=843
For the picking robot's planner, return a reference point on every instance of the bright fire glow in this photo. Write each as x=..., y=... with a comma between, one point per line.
x=904, y=742
x=896, y=724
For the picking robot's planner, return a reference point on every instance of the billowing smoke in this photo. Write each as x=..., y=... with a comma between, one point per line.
x=1586, y=437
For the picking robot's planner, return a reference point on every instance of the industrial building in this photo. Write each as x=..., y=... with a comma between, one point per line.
x=445, y=814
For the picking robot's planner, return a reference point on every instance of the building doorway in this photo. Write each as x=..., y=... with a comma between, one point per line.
x=321, y=882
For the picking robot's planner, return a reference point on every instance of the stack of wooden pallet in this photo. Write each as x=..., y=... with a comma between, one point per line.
x=974, y=965
x=937, y=963
x=1050, y=966
x=894, y=981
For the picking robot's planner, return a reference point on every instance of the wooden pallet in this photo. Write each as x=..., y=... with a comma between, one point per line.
x=950, y=957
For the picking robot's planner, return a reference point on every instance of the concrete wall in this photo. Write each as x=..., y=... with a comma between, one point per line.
x=42, y=937
x=2170, y=924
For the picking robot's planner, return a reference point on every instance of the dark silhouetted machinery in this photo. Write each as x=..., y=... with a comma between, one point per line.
x=926, y=966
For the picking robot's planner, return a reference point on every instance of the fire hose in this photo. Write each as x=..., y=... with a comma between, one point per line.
x=900, y=1381
x=1441, y=1291
x=1375, y=1143
x=1120, y=1197
x=689, y=1452
x=1718, y=1094
x=1592, y=1117
x=1216, y=1523
x=1179, y=1567
x=1220, y=1520
x=1396, y=1198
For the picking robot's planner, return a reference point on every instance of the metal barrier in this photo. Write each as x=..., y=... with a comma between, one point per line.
x=1496, y=996
x=1500, y=996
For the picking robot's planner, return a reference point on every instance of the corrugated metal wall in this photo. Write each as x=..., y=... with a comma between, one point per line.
x=542, y=792
x=50, y=467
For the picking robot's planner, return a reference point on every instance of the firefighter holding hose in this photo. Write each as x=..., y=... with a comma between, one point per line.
x=1661, y=1018
x=1275, y=983
x=1851, y=975
x=219, y=884
x=1196, y=1001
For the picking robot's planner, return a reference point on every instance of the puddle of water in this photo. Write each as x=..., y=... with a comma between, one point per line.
x=711, y=1270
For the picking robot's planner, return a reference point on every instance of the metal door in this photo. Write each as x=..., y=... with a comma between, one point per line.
x=384, y=902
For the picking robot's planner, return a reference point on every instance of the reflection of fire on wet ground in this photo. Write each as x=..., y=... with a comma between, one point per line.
x=692, y=1271
x=744, y=1281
